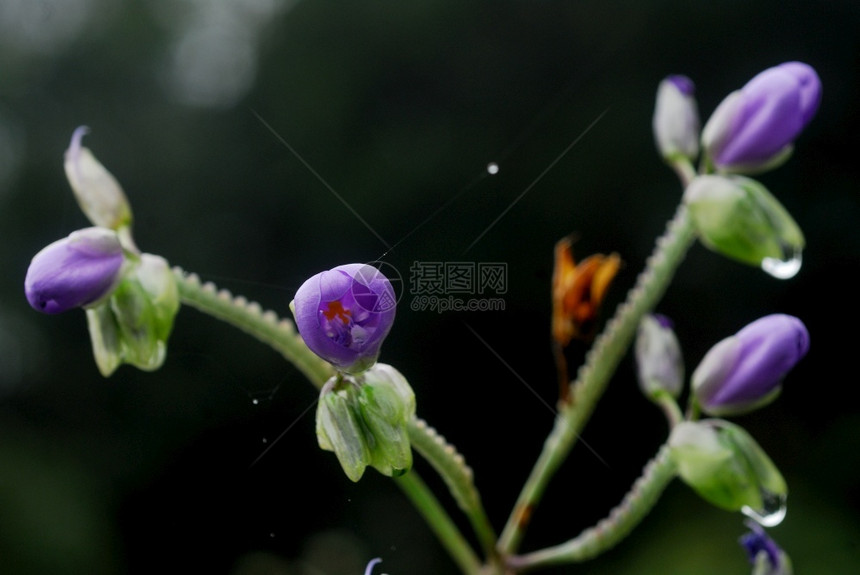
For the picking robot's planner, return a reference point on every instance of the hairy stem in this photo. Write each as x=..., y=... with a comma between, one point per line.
x=641, y=498
x=458, y=476
x=600, y=364
x=266, y=326
x=281, y=335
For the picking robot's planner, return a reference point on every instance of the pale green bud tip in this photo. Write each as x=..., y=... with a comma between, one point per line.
x=98, y=193
x=739, y=218
x=676, y=118
x=363, y=419
x=726, y=467
x=658, y=357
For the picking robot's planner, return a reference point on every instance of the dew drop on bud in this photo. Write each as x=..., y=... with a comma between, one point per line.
x=773, y=512
x=782, y=269
x=492, y=168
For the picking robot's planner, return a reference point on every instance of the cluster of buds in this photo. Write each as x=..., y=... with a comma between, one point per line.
x=751, y=131
x=738, y=374
x=130, y=298
x=343, y=315
x=716, y=458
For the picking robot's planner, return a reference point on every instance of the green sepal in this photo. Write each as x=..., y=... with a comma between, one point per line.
x=739, y=218
x=339, y=427
x=387, y=403
x=725, y=465
x=133, y=325
x=364, y=420
x=105, y=338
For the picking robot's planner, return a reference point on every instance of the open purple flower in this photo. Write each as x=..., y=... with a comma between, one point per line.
x=344, y=315
x=754, y=128
x=745, y=371
x=75, y=271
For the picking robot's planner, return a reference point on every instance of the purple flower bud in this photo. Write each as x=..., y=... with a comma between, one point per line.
x=754, y=127
x=676, y=118
x=344, y=315
x=75, y=271
x=659, y=361
x=744, y=371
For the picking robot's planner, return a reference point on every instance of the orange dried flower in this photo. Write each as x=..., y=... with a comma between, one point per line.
x=578, y=290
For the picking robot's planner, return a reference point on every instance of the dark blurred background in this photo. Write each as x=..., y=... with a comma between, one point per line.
x=234, y=126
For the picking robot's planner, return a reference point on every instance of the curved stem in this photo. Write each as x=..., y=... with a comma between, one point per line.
x=433, y=512
x=641, y=498
x=670, y=409
x=266, y=326
x=281, y=335
x=458, y=476
x=600, y=364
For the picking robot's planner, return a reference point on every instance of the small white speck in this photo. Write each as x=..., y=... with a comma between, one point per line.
x=492, y=168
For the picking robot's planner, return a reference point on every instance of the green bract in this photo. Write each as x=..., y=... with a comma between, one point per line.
x=739, y=218
x=133, y=326
x=725, y=465
x=363, y=420
x=98, y=193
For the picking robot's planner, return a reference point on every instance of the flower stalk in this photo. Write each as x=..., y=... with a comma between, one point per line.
x=600, y=364
x=593, y=541
x=281, y=335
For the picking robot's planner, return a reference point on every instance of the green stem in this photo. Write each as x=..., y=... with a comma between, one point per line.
x=641, y=498
x=670, y=408
x=266, y=326
x=281, y=335
x=600, y=364
x=433, y=512
x=458, y=476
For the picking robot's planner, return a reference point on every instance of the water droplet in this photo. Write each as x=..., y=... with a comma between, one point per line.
x=492, y=168
x=783, y=269
x=773, y=512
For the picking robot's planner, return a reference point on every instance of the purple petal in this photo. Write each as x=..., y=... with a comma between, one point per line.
x=370, y=565
x=74, y=271
x=757, y=541
x=773, y=109
x=344, y=314
x=769, y=348
x=684, y=84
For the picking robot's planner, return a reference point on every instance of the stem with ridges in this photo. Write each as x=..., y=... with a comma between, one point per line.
x=281, y=335
x=641, y=498
x=458, y=476
x=600, y=364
